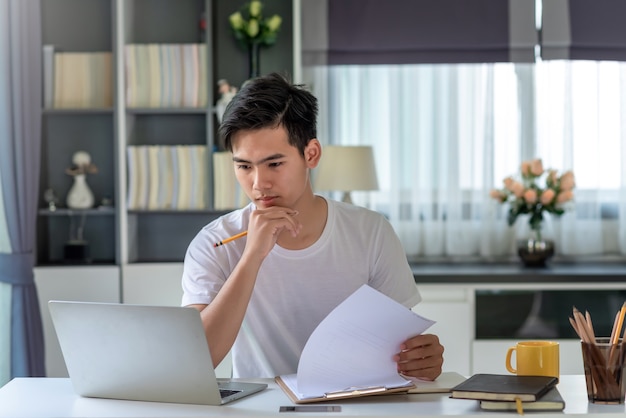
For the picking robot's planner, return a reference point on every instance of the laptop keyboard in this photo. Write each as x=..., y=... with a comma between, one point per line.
x=227, y=392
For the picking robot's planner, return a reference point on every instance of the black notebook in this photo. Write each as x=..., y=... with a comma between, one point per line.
x=551, y=401
x=504, y=387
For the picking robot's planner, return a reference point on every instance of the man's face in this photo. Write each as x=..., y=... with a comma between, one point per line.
x=271, y=172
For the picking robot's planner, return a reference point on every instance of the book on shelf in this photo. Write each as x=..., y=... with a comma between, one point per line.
x=330, y=368
x=176, y=74
x=190, y=75
x=201, y=175
x=203, y=79
x=166, y=75
x=154, y=75
x=133, y=177
x=197, y=158
x=130, y=70
x=155, y=172
x=100, y=80
x=77, y=80
x=48, y=76
x=59, y=74
x=142, y=77
x=551, y=401
x=224, y=181
x=185, y=177
x=143, y=171
x=504, y=387
x=166, y=188
x=175, y=176
x=166, y=177
x=195, y=180
x=170, y=177
x=227, y=192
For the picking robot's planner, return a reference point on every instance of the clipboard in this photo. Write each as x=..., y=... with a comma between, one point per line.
x=443, y=384
x=343, y=394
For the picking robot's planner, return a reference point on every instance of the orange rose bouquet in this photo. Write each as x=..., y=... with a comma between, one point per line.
x=536, y=191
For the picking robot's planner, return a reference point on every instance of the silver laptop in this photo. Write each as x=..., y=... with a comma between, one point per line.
x=143, y=353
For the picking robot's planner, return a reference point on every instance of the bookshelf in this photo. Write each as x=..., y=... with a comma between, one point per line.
x=118, y=232
x=69, y=129
x=135, y=254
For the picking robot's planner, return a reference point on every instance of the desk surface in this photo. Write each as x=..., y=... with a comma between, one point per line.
x=54, y=397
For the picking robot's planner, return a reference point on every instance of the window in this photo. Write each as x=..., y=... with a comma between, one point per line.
x=444, y=135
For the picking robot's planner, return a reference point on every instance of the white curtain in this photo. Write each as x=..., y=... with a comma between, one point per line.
x=5, y=326
x=5, y=247
x=445, y=135
x=5, y=302
x=20, y=138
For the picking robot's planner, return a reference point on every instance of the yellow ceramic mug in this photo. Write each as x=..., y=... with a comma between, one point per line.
x=534, y=358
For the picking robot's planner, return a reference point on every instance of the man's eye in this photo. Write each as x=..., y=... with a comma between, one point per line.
x=242, y=167
x=276, y=164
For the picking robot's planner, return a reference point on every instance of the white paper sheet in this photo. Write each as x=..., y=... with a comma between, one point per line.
x=355, y=344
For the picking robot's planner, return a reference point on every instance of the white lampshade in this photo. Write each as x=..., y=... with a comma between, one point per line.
x=346, y=168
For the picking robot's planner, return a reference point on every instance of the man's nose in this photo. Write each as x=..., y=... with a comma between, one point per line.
x=262, y=179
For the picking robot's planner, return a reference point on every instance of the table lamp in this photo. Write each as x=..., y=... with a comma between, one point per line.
x=346, y=168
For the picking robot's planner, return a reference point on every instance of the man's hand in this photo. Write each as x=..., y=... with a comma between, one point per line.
x=421, y=357
x=266, y=225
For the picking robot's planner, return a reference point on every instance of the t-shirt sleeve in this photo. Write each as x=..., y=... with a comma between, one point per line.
x=203, y=272
x=392, y=274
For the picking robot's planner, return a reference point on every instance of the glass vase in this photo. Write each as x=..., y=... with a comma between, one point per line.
x=80, y=195
x=254, y=60
x=535, y=251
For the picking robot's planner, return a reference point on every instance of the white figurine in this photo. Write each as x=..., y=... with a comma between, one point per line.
x=227, y=92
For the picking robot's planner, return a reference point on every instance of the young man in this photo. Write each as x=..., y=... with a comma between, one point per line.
x=264, y=294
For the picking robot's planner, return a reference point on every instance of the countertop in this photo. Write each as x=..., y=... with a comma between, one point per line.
x=426, y=272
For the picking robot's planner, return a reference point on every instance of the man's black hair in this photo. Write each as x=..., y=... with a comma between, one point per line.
x=269, y=102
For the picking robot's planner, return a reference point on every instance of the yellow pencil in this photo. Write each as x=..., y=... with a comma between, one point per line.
x=229, y=239
x=620, y=322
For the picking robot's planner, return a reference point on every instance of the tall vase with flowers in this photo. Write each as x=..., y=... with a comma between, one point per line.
x=533, y=193
x=253, y=31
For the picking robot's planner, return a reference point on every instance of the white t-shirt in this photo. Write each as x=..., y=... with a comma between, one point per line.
x=296, y=289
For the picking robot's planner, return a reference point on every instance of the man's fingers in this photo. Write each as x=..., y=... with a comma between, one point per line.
x=279, y=218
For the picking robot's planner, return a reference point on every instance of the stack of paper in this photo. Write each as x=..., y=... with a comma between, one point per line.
x=351, y=351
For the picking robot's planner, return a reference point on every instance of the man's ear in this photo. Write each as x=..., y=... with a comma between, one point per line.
x=313, y=153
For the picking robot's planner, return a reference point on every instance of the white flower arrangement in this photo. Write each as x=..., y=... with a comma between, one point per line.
x=250, y=27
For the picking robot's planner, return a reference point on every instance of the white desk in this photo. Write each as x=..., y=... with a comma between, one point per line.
x=54, y=397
